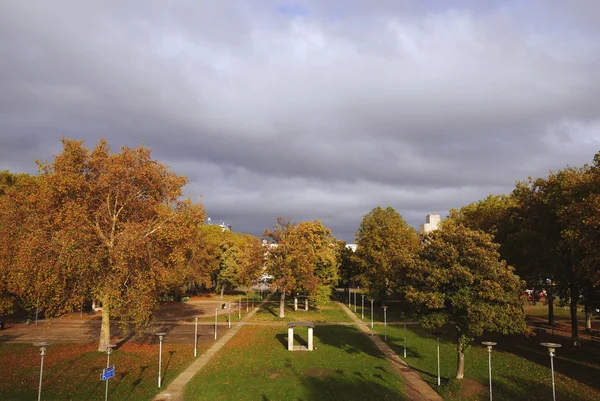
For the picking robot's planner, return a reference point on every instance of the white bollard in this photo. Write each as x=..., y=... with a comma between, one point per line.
x=290, y=339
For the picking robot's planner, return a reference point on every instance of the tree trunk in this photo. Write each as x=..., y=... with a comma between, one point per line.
x=550, y=299
x=222, y=291
x=460, y=365
x=105, y=327
x=574, y=321
x=282, y=305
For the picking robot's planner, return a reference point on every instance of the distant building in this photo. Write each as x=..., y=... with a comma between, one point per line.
x=432, y=221
x=351, y=246
x=224, y=227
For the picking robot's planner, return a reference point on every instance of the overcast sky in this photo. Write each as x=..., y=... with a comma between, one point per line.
x=313, y=110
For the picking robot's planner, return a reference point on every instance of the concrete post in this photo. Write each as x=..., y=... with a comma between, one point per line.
x=290, y=339
x=306, y=304
x=310, y=338
x=295, y=303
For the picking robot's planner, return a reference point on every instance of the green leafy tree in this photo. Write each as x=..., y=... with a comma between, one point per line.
x=387, y=248
x=349, y=267
x=462, y=280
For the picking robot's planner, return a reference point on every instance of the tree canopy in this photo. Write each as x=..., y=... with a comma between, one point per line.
x=461, y=279
x=303, y=258
x=386, y=250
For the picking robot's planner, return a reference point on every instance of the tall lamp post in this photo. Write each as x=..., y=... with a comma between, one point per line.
x=42, y=346
x=109, y=348
x=438, y=334
x=216, y=315
x=385, y=323
x=196, y=336
x=354, y=301
x=371, y=312
x=404, y=340
x=362, y=312
x=551, y=350
x=240, y=309
x=160, y=339
x=349, y=296
x=489, y=345
x=229, y=316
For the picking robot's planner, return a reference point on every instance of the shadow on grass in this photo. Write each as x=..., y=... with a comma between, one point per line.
x=579, y=363
x=336, y=386
x=271, y=309
x=137, y=381
x=535, y=391
x=347, y=338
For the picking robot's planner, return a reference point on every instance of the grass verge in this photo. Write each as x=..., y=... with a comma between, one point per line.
x=72, y=371
x=330, y=312
x=520, y=367
x=256, y=365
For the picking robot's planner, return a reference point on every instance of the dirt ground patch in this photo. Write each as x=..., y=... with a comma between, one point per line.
x=470, y=388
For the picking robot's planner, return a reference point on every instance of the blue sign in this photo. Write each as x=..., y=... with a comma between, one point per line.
x=108, y=373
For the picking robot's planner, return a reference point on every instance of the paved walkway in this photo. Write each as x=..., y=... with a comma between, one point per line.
x=417, y=389
x=174, y=392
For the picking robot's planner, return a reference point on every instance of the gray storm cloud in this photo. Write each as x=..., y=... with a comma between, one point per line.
x=314, y=110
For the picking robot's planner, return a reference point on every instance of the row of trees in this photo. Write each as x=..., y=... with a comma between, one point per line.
x=548, y=228
x=452, y=275
x=112, y=227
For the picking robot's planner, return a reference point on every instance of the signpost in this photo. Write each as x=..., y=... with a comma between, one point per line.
x=108, y=373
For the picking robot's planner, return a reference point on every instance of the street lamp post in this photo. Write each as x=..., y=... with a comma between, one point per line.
x=42, y=346
x=362, y=314
x=371, y=312
x=489, y=345
x=240, y=309
x=109, y=348
x=160, y=339
x=216, y=314
x=349, y=296
x=404, y=340
x=551, y=350
x=385, y=323
x=196, y=336
x=438, y=334
x=229, y=316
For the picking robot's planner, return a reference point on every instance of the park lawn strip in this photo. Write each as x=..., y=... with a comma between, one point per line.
x=560, y=312
x=72, y=371
x=330, y=312
x=256, y=365
x=520, y=367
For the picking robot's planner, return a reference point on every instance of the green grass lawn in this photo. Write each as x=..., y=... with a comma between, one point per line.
x=72, y=371
x=330, y=312
x=521, y=367
x=256, y=365
x=560, y=312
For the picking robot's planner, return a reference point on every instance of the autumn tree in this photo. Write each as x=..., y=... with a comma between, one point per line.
x=387, y=248
x=241, y=260
x=303, y=258
x=119, y=229
x=462, y=280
